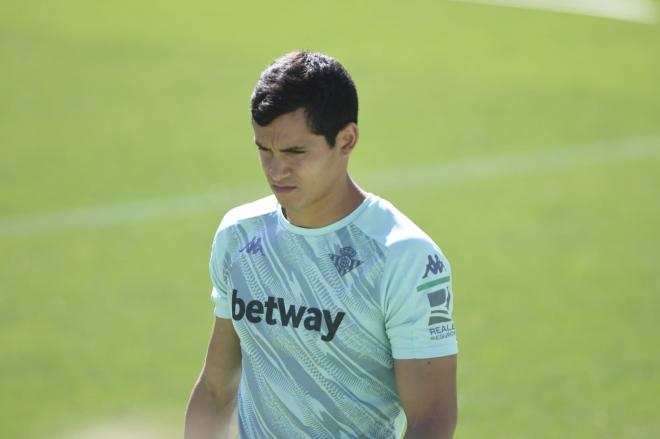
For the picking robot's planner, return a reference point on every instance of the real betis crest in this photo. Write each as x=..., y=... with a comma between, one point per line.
x=344, y=261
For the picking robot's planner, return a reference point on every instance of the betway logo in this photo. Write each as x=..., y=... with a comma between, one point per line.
x=254, y=310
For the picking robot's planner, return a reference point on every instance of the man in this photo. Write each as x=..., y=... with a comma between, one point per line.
x=333, y=310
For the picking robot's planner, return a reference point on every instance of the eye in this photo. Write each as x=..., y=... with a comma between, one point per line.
x=261, y=149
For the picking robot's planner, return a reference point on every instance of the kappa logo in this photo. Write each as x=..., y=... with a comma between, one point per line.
x=434, y=266
x=344, y=261
x=253, y=247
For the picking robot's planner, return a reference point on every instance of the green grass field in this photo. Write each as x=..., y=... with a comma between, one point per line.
x=105, y=312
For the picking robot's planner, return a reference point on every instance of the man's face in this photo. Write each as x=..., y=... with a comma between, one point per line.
x=301, y=168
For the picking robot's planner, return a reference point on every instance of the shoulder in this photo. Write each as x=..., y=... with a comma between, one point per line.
x=387, y=225
x=245, y=216
x=411, y=256
x=249, y=211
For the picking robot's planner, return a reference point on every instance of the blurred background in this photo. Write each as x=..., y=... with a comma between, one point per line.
x=525, y=141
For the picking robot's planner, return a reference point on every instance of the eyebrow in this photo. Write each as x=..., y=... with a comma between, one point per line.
x=286, y=149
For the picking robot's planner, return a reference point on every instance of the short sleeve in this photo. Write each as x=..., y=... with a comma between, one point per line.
x=218, y=269
x=418, y=301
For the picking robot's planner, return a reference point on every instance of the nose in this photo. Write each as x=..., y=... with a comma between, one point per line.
x=276, y=168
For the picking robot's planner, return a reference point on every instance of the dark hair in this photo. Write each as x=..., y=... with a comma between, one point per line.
x=309, y=80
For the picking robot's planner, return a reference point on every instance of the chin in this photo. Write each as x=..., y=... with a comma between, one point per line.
x=285, y=200
x=290, y=204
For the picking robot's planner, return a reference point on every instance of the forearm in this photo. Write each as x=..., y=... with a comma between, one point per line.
x=208, y=414
x=432, y=429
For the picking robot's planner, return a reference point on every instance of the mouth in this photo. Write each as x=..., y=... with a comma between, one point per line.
x=282, y=189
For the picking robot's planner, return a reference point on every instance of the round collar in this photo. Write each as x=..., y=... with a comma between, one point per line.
x=368, y=200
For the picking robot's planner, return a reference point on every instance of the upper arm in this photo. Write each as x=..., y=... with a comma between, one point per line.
x=222, y=366
x=427, y=390
x=418, y=302
x=420, y=327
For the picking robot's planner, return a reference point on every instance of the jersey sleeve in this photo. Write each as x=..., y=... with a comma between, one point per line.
x=419, y=302
x=220, y=294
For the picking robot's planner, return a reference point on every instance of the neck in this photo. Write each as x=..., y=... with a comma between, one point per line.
x=330, y=209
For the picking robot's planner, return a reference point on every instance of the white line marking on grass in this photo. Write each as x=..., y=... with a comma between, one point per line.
x=529, y=163
x=644, y=11
x=122, y=428
x=401, y=178
x=95, y=217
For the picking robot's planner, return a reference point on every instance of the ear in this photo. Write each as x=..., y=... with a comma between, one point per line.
x=347, y=138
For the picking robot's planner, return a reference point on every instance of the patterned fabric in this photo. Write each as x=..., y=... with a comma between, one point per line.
x=321, y=314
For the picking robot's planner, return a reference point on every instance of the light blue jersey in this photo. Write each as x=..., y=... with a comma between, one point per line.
x=321, y=314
